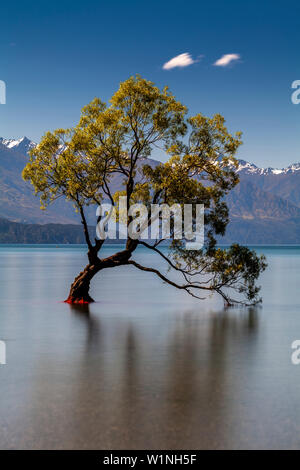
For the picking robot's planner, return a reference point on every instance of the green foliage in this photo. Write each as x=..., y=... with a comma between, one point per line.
x=116, y=140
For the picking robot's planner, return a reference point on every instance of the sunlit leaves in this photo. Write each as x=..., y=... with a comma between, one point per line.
x=115, y=139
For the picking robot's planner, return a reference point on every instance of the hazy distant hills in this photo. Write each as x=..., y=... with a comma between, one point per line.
x=264, y=207
x=17, y=202
x=249, y=201
x=284, y=183
x=13, y=232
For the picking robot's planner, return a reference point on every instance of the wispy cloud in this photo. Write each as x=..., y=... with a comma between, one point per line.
x=181, y=60
x=226, y=59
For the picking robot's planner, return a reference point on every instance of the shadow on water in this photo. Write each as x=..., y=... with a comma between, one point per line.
x=91, y=323
x=167, y=386
x=120, y=381
x=145, y=367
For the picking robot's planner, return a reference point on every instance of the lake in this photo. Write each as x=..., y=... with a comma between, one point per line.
x=146, y=366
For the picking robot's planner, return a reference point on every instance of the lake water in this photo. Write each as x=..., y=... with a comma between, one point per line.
x=147, y=366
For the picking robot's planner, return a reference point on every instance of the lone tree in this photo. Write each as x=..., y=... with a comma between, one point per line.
x=113, y=143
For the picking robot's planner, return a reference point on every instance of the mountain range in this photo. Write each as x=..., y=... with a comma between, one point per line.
x=264, y=207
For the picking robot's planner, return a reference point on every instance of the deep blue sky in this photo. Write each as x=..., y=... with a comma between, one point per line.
x=57, y=56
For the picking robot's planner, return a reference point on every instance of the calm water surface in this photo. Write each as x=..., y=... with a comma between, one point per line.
x=146, y=366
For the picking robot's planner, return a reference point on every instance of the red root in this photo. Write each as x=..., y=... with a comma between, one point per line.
x=71, y=300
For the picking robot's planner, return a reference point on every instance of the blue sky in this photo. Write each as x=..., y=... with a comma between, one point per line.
x=57, y=56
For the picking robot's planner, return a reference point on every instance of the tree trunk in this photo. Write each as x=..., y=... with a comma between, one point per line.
x=79, y=291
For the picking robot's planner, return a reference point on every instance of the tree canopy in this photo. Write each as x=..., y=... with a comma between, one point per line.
x=116, y=140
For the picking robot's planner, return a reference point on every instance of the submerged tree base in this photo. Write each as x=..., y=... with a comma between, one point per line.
x=83, y=300
x=79, y=164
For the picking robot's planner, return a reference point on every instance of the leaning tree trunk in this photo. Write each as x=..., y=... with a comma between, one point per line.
x=79, y=291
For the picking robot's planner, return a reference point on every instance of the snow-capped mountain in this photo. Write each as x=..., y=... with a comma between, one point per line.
x=264, y=207
x=22, y=145
x=251, y=169
x=17, y=202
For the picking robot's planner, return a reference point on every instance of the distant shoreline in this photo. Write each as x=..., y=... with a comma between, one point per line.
x=250, y=233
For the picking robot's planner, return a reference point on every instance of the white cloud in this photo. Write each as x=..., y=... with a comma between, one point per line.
x=181, y=60
x=226, y=59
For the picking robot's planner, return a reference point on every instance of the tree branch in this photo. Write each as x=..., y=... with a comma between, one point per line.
x=185, y=287
x=85, y=228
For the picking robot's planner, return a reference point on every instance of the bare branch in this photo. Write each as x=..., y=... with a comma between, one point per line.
x=85, y=228
x=185, y=287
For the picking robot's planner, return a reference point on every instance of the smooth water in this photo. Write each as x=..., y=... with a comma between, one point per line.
x=147, y=366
